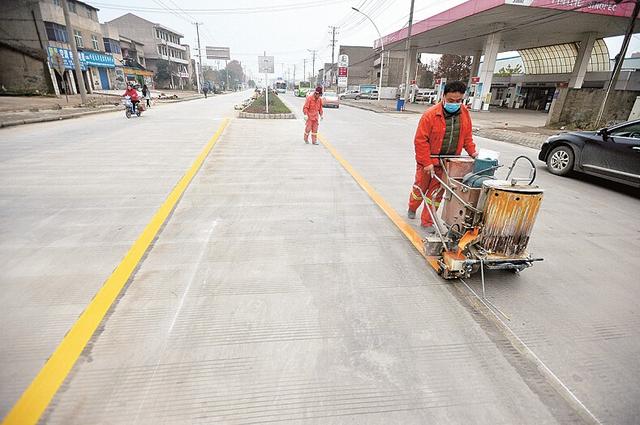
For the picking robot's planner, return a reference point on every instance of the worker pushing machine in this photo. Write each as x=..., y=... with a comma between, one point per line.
x=312, y=113
x=444, y=129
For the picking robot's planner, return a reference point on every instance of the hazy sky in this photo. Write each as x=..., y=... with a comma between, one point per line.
x=286, y=29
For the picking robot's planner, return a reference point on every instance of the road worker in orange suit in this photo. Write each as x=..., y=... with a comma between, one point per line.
x=312, y=113
x=444, y=129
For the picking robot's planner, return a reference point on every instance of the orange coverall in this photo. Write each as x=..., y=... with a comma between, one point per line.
x=313, y=110
x=428, y=141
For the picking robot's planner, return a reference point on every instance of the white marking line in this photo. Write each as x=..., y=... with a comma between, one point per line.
x=537, y=360
x=175, y=318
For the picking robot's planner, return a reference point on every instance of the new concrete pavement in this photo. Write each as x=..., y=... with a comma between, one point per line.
x=279, y=292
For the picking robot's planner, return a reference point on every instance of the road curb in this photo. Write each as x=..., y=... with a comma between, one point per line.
x=80, y=114
x=372, y=109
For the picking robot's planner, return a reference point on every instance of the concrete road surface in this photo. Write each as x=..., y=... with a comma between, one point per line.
x=279, y=292
x=576, y=310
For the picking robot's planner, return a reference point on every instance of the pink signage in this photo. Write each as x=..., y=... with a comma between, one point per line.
x=473, y=7
x=599, y=7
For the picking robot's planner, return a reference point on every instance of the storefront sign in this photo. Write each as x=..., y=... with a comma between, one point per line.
x=343, y=71
x=94, y=59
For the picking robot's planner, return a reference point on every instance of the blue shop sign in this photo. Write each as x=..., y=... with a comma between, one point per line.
x=86, y=58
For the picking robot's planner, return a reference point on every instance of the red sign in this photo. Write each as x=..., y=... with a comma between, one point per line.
x=342, y=71
x=437, y=81
x=475, y=80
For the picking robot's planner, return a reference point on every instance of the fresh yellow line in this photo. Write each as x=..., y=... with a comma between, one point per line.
x=405, y=228
x=38, y=395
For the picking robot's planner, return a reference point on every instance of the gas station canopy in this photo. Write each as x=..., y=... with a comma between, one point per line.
x=523, y=24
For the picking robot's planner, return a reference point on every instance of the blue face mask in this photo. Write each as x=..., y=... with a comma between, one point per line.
x=452, y=108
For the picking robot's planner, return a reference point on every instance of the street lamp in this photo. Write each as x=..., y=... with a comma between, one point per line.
x=381, y=50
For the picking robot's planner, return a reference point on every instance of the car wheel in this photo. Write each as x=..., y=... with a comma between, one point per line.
x=560, y=160
x=357, y=97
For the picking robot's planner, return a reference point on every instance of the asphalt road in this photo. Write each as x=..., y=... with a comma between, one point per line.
x=277, y=291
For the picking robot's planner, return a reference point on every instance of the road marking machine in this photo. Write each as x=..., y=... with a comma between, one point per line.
x=485, y=222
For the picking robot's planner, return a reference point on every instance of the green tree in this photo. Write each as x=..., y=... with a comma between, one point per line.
x=251, y=83
x=454, y=67
x=509, y=70
x=162, y=76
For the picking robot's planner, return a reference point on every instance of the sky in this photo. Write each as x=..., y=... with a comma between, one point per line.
x=286, y=29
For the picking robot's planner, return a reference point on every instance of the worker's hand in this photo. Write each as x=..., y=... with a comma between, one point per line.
x=306, y=117
x=475, y=155
x=321, y=117
x=428, y=169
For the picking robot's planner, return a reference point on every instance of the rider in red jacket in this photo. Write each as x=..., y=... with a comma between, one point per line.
x=133, y=95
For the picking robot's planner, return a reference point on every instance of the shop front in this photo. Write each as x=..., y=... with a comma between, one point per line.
x=138, y=76
x=94, y=67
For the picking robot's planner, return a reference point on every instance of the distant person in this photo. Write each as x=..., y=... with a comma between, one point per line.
x=205, y=90
x=146, y=93
x=133, y=96
x=312, y=113
x=444, y=129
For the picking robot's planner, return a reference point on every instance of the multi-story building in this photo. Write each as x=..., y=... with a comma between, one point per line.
x=94, y=62
x=41, y=36
x=164, y=55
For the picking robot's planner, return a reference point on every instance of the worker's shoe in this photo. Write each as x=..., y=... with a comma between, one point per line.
x=306, y=141
x=411, y=214
x=315, y=143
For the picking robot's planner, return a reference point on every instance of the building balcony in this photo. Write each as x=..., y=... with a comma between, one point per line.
x=174, y=60
x=172, y=45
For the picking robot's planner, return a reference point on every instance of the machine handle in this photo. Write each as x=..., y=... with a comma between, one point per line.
x=532, y=173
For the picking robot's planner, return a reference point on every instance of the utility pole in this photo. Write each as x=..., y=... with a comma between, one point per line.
x=199, y=66
x=313, y=66
x=304, y=69
x=294, y=75
x=619, y=60
x=408, y=55
x=333, y=46
x=74, y=51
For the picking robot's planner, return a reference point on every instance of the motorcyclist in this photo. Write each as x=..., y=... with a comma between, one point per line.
x=134, y=97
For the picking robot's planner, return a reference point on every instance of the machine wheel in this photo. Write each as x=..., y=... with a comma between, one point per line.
x=127, y=113
x=560, y=160
x=138, y=113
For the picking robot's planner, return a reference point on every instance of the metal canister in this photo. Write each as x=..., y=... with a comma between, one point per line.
x=509, y=213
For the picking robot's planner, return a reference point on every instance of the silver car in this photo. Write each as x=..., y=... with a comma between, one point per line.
x=350, y=94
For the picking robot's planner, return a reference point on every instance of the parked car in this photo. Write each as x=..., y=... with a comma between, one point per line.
x=330, y=99
x=350, y=94
x=612, y=153
x=373, y=94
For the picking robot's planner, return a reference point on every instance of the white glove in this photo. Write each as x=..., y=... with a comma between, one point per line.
x=306, y=117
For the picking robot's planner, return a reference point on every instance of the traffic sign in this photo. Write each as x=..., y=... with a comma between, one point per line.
x=343, y=61
x=342, y=82
x=265, y=64
x=343, y=71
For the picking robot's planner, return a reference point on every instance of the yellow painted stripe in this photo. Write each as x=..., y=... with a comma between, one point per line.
x=405, y=228
x=38, y=395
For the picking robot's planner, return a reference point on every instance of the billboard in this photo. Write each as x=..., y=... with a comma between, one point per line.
x=220, y=53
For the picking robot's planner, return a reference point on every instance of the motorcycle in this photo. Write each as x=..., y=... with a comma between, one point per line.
x=129, y=109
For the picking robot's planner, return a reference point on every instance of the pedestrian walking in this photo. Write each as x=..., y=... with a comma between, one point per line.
x=146, y=93
x=312, y=114
x=205, y=90
x=444, y=129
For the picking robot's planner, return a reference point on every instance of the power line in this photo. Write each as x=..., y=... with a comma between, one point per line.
x=233, y=11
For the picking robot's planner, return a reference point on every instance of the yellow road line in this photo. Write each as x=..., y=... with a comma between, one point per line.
x=44, y=386
x=411, y=234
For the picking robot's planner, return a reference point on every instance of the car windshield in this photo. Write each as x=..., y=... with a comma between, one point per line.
x=330, y=94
